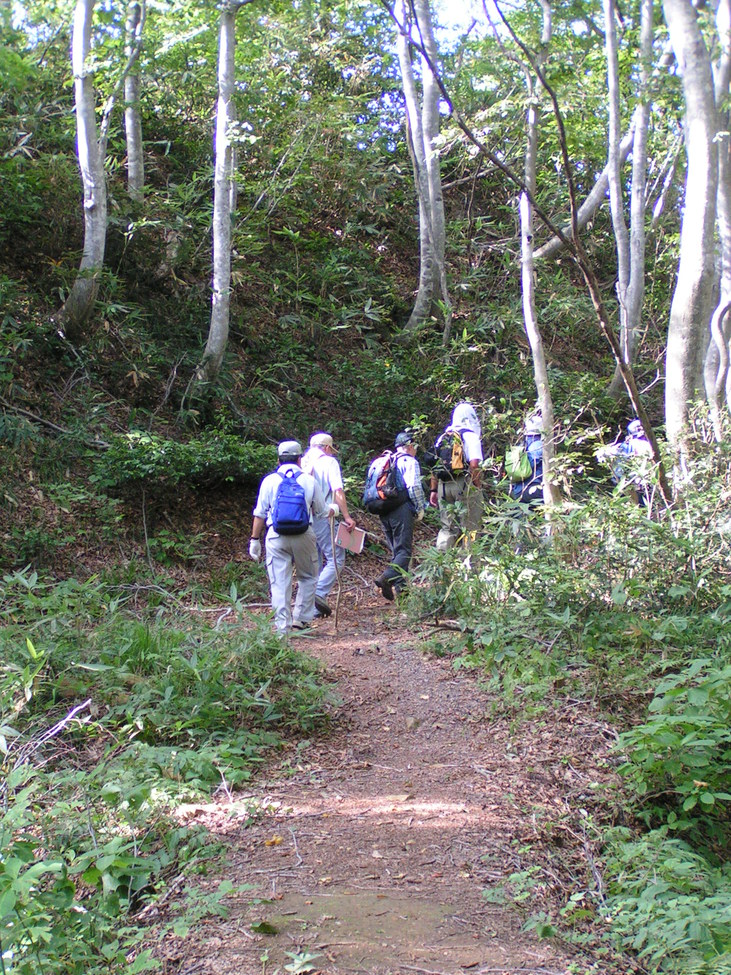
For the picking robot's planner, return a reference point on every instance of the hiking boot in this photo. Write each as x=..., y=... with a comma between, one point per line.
x=386, y=588
x=300, y=625
x=322, y=608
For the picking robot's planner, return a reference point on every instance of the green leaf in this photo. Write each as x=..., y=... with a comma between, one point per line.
x=619, y=594
x=8, y=900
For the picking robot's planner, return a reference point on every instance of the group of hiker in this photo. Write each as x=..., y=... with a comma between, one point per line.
x=298, y=503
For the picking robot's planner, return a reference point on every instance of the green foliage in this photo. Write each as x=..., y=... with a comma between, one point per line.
x=148, y=713
x=669, y=904
x=630, y=612
x=680, y=758
x=145, y=458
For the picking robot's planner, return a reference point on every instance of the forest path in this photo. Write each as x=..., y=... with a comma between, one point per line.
x=372, y=846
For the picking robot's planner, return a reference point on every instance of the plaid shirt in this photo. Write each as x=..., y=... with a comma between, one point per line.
x=409, y=467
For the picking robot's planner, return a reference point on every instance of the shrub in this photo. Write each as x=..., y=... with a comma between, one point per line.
x=669, y=904
x=144, y=458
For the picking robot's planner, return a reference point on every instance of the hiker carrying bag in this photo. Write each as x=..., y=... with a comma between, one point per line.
x=518, y=466
x=449, y=456
x=290, y=514
x=384, y=488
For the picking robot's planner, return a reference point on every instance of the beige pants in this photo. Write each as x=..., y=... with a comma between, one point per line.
x=460, y=512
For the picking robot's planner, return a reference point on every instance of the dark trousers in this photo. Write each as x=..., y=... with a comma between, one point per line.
x=399, y=528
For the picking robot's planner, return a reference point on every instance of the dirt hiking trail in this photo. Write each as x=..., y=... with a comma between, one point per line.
x=370, y=848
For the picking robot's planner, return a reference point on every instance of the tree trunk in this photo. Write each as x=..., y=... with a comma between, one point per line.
x=637, y=235
x=614, y=174
x=716, y=369
x=422, y=124
x=430, y=133
x=224, y=199
x=132, y=114
x=630, y=246
x=692, y=302
x=80, y=301
x=551, y=494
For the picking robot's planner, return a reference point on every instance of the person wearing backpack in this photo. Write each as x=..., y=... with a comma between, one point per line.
x=524, y=464
x=399, y=475
x=631, y=461
x=455, y=482
x=321, y=462
x=288, y=501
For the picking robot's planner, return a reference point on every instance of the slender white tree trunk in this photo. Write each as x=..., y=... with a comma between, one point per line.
x=415, y=140
x=430, y=133
x=716, y=369
x=224, y=199
x=80, y=301
x=132, y=114
x=551, y=494
x=422, y=125
x=692, y=302
x=630, y=244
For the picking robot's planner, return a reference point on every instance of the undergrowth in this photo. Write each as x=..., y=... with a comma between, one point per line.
x=109, y=719
x=628, y=610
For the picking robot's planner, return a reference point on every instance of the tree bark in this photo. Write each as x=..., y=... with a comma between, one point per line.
x=551, y=494
x=630, y=245
x=132, y=114
x=692, y=302
x=422, y=122
x=415, y=140
x=224, y=199
x=430, y=132
x=80, y=301
x=716, y=367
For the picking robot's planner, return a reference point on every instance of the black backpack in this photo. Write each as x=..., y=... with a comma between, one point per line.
x=448, y=457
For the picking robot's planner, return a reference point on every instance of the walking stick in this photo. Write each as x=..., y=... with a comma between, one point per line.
x=337, y=570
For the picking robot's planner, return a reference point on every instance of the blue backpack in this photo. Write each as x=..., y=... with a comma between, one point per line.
x=290, y=515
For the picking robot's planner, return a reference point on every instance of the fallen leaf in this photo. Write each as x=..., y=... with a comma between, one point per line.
x=274, y=841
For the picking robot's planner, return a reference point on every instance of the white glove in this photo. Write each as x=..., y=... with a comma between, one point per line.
x=255, y=549
x=333, y=510
x=420, y=515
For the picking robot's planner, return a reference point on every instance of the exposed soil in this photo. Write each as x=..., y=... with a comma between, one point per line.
x=372, y=847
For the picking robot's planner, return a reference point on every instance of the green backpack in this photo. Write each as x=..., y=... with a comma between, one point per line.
x=517, y=464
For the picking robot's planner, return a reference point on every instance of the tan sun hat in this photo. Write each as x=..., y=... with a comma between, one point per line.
x=322, y=440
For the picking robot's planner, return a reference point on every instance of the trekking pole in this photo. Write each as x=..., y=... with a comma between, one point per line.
x=337, y=570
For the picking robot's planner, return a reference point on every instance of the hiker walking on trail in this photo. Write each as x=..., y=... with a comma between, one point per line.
x=393, y=491
x=524, y=463
x=455, y=483
x=321, y=463
x=288, y=501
